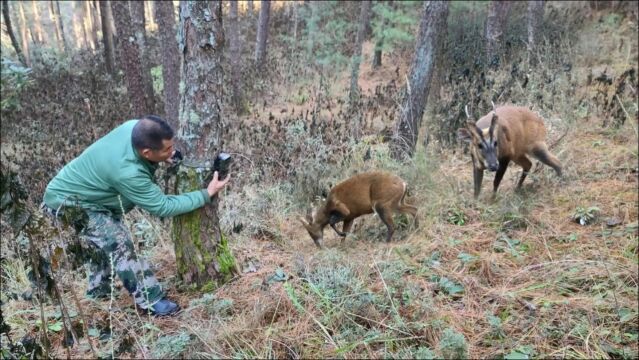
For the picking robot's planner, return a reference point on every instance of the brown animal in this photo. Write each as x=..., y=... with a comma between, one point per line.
x=362, y=194
x=508, y=133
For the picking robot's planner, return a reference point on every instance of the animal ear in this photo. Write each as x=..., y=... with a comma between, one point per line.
x=493, y=124
x=463, y=134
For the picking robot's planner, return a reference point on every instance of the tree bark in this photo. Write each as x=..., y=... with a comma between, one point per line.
x=129, y=58
x=165, y=20
x=12, y=36
x=432, y=30
x=95, y=22
x=202, y=252
x=495, y=26
x=59, y=26
x=24, y=36
x=534, y=19
x=89, y=26
x=107, y=37
x=37, y=22
x=364, y=18
x=262, y=33
x=234, y=42
x=149, y=11
x=251, y=8
x=138, y=20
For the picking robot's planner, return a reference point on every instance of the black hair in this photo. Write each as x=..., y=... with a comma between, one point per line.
x=149, y=133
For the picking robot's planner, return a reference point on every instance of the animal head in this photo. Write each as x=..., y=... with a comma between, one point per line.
x=484, y=143
x=314, y=228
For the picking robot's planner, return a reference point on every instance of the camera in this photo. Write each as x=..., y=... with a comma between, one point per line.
x=176, y=157
x=222, y=164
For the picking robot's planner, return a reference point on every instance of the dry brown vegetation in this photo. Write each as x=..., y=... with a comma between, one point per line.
x=517, y=277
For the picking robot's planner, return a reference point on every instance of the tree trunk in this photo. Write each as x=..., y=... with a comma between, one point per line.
x=148, y=11
x=431, y=30
x=24, y=36
x=89, y=26
x=77, y=26
x=202, y=252
x=251, y=8
x=95, y=21
x=236, y=64
x=495, y=26
x=129, y=58
x=262, y=33
x=59, y=26
x=37, y=22
x=165, y=20
x=364, y=17
x=14, y=41
x=534, y=19
x=138, y=20
x=107, y=37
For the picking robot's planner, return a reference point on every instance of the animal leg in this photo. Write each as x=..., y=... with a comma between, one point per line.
x=525, y=163
x=541, y=153
x=404, y=208
x=387, y=218
x=334, y=218
x=346, y=228
x=503, y=165
x=478, y=176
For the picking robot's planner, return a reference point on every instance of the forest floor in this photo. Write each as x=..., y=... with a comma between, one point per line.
x=517, y=277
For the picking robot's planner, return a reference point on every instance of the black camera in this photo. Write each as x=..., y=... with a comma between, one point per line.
x=222, y=165
x=176, y=157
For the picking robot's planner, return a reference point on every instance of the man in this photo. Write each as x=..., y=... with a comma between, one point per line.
x=108, y=179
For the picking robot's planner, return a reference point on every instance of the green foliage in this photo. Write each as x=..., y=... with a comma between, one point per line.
x=214, y=306
x=520, y=353
x=171, y=346
x=586, y=216
x=393, y=23
x=158, y=80
x=448, y=286
x=456, y=216
x=452, y=345
x=328, y=32
x=15, y=79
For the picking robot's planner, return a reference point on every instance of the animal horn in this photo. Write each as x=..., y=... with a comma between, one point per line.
x=466, y=110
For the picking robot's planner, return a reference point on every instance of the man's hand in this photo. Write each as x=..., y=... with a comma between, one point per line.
x=216, y=185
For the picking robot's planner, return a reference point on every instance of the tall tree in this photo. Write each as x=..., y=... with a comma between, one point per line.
x=129, y=58
x=78, y=26
x=148, y=11
x=165, y=19
x=250, y=8
x=24, y=36
x=14, y=41
x=95, y=22
x=262, y=32
x=37, y=22
x=139, y=21
x=59, y=26
x=494, y=29
x=107, y=36
x=432, y=29
x=364, y=18
x=534, y=19
x=234, y=44
x=202, y=252
x=89, y=26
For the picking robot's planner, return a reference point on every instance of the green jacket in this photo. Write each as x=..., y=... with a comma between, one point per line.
x=111, y=169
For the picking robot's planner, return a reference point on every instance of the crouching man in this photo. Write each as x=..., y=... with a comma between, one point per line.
x=110, y=178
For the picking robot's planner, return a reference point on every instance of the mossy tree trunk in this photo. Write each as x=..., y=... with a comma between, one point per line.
x=14, y=40
x=432, y=30
x=202, y=253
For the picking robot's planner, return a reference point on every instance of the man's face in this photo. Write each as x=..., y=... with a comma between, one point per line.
x=159, y=155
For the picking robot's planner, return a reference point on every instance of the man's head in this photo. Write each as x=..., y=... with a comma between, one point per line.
x=153, y=138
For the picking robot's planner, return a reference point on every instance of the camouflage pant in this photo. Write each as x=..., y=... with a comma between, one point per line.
x=108, y=242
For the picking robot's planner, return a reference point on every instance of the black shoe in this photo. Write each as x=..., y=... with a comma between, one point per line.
x=164, y=307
